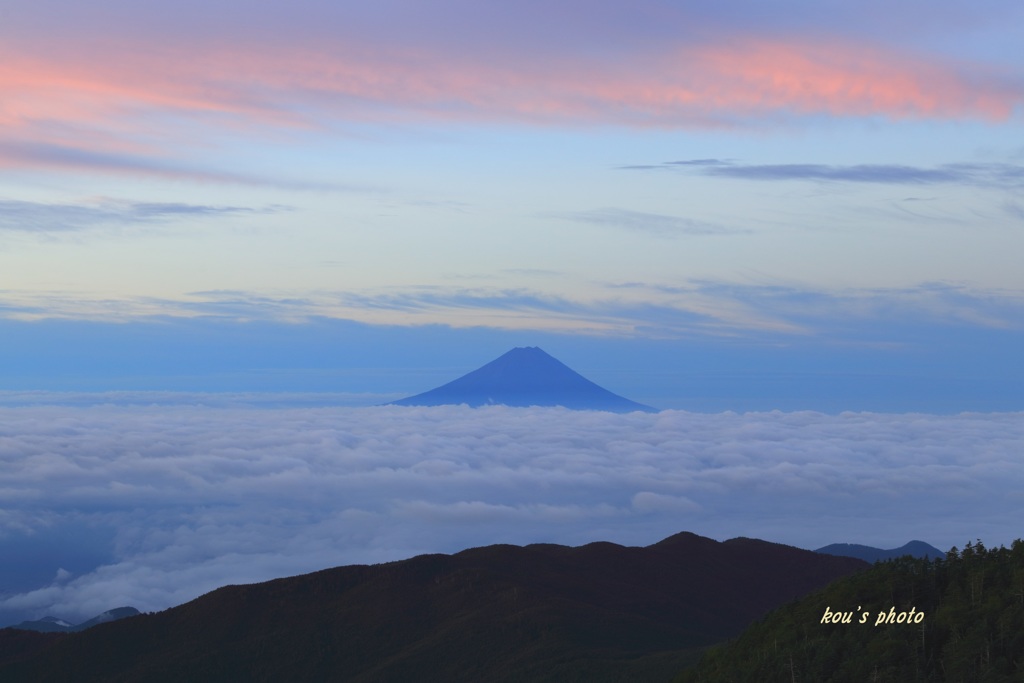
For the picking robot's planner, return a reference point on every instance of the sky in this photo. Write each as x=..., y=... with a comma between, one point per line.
x=782, y=216
x=776, y=189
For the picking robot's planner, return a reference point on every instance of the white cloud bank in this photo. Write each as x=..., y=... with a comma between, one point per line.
x=189, y=498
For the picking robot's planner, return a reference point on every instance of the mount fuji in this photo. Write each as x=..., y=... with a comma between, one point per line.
x=525, y=376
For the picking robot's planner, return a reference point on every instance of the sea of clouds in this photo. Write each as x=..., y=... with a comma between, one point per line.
x=151, y=505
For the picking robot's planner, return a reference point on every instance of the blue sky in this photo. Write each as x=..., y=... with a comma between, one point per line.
x=749, y=184
x=229, y=229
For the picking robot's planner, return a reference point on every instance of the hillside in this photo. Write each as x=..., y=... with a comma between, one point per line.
x=972, y=628
x=599, y=612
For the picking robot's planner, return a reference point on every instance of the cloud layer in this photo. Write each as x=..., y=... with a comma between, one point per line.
x=167, y=502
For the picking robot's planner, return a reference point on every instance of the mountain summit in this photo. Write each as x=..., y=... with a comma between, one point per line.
x=525, y=376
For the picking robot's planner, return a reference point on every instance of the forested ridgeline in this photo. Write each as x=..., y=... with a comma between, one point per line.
x=956, y=619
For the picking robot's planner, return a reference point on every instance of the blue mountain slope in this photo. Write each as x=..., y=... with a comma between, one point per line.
x=869, y=554
x=525, y=377
x=55, y=625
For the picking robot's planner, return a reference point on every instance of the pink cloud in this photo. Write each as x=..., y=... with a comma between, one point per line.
x=111, y=101
x=850, y=80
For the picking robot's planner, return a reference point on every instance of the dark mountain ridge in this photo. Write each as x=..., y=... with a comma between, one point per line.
x=497, y=613
x=525, y=376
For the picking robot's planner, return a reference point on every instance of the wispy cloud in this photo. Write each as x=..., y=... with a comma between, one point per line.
x=534, y=272
x=489, y=307
x=624, y=309
x=1014, y=209
x=155, y=161
x=179, y=500
x=645, y=222
x=981, y=174
x=837, y=312
x=40, y=217
x=193, y=399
